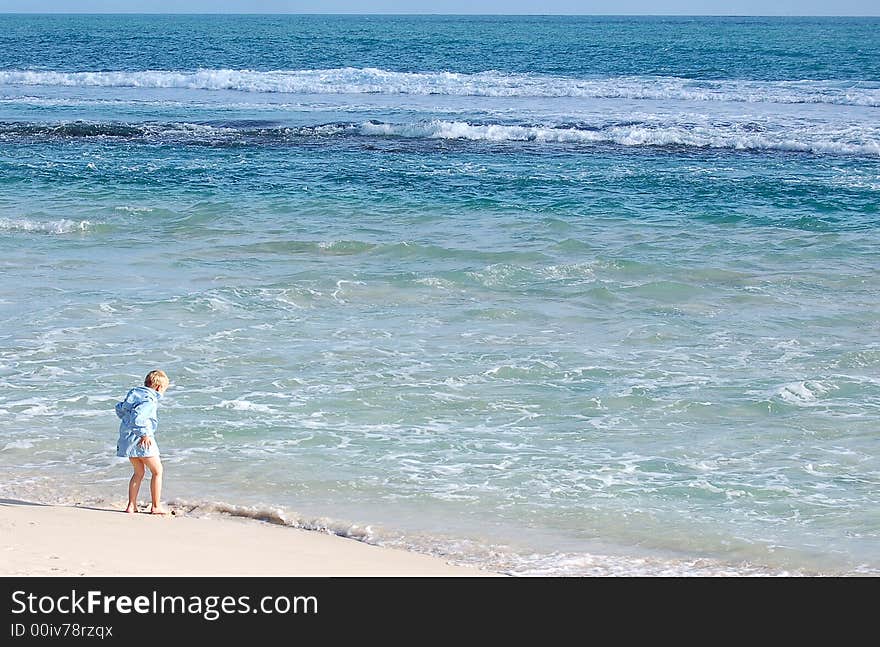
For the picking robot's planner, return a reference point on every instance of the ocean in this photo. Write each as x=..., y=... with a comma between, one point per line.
x=543, y=295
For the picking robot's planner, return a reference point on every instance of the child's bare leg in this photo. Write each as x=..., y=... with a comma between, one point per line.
x=154, y=463
x=134, y=485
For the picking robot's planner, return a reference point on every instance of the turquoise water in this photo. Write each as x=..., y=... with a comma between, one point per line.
x=545, y=295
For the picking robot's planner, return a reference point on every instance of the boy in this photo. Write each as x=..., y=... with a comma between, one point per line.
x=140, y=420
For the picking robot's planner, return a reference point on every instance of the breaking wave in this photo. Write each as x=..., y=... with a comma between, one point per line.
x=734, y=136
x=744, y=136
x=24, y=225
x=350, y=80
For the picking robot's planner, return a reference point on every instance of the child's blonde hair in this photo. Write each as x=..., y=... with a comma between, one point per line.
x=155, y=379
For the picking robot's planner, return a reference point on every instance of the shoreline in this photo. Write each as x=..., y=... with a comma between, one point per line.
x=40, y=539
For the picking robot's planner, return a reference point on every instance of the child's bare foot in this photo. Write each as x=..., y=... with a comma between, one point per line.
x=160, y=510
x=131, y=508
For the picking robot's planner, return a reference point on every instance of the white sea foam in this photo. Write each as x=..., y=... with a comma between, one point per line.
x=803, y=393
x=780, y=133
x=37, y=410
x=17, y=444
x=350, y=80
x=435, y=282
x=726, y=136
x=585, y=564
x=134, y=209
x=19, y=225
x=245, y=405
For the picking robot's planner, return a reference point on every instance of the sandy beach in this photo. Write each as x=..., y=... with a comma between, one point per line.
x=48, y=540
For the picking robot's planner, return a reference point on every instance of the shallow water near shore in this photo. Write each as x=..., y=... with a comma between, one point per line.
x=513, y=299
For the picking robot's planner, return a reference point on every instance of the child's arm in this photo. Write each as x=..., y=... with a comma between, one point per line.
x=120, y=412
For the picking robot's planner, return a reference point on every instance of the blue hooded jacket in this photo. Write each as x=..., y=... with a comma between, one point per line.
x=139, y=412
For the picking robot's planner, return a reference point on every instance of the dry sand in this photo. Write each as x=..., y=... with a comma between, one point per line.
x=38, y=539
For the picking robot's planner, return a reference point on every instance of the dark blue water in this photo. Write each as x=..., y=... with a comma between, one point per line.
x=691, y=47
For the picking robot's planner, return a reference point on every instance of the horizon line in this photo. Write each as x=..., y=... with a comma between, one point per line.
x=428, y=13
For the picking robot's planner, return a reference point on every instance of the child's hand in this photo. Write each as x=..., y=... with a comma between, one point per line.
x=146, y=441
